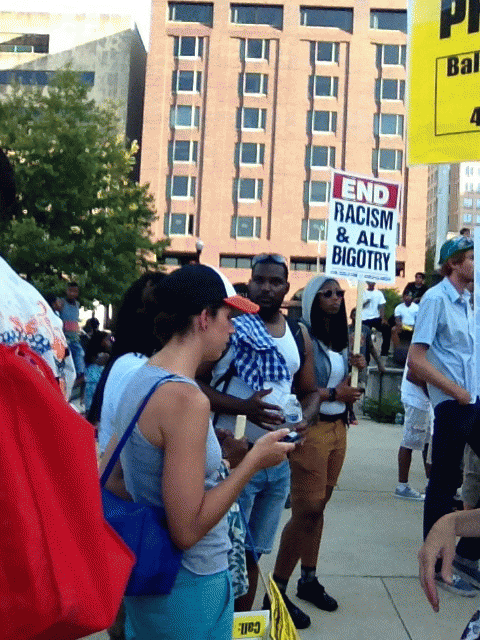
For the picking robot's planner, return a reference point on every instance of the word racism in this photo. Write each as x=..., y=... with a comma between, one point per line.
x=363, y=224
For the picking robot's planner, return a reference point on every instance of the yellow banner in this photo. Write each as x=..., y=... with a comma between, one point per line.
x=444, y=82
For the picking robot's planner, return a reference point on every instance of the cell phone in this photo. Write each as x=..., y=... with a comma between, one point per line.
x=292, y=437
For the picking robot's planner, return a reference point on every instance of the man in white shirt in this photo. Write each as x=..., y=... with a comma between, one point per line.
x=405, y=315
x=373, y=315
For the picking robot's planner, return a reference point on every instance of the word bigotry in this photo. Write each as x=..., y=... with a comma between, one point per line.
x=361, y=258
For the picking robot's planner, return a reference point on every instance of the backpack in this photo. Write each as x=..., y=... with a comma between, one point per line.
x=63, y=569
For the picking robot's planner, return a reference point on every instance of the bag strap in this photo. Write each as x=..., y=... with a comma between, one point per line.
x=226, y=378
x=129, y=429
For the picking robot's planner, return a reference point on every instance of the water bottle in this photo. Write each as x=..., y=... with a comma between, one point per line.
x=292, y=410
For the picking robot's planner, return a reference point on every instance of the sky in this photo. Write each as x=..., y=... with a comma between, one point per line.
x=138, y=9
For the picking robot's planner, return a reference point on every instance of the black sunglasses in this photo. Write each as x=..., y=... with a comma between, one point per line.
x=328, y=294
x=269, y=257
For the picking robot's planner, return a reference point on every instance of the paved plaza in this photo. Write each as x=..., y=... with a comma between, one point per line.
x=368, y=555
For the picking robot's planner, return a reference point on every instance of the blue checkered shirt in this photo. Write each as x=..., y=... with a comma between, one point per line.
x=256, y=357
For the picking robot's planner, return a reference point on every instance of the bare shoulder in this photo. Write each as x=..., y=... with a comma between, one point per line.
x=182, y=396
x=175, y=408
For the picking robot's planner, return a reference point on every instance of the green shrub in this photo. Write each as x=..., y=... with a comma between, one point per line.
x=393, y=298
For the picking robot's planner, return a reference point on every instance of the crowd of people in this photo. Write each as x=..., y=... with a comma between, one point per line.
x=224, y=365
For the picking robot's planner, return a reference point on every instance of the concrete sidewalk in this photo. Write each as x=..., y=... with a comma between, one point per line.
x=368, y=554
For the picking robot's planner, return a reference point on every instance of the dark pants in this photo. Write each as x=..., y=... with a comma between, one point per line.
x=454, y=426
x=384, y=329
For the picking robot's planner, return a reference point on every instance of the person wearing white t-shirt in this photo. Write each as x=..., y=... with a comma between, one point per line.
x=417, y=434
x=405, y=315
x=373, y=315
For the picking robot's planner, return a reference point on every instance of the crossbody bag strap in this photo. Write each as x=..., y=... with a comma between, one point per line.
x=129, y=429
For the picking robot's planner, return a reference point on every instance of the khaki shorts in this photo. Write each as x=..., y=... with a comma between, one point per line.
x=316, y=463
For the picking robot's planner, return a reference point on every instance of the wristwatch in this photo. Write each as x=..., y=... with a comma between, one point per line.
x=332, y=394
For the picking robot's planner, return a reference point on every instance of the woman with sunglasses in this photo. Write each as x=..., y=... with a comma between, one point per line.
x=316, y=463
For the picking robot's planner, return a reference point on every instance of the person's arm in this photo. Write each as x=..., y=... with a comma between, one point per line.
x=381, y=313
x=375, y=355
x=422, y=369
x=308, y=393
x=441, y=542
x=183, y=413
x=255, y=408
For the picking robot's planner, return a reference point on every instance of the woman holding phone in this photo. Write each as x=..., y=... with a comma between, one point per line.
x=173, y=456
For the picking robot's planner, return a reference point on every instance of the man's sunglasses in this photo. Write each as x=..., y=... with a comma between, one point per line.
x=328, y=294
x=269, y=257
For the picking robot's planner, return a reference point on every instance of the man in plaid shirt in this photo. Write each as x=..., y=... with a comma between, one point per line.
x=254, y=378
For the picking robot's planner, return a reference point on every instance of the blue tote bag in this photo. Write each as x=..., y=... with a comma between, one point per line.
x=143, y=528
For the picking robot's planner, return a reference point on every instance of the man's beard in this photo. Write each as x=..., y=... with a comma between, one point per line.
x=267, y=313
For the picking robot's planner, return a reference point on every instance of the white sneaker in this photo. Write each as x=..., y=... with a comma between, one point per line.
x=407, y=493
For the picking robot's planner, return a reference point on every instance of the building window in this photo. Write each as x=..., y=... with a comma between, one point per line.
x=253, y=84
x=391, y=54
x=315, y=192
x=323, y=86
x=249, y=118
x=248, y=189
x=184, y=117
x=324, y=52
x=249, y=153
x=321, y=122
x=187, y=47
x=314, y=230
x=319, y=17
x=467, y=217
x=25, y=43
x=41, y=78
x=478, y=204
x=254, y=49
x=178, y=259
x=246, y=227
x=305, y=264
x=235, y=262
x=386, y=89
x=186, y=81
x=478, y=219
x=256, y=14
x=178, y=224
x=199, y=12
x=319, y=157
x=388, y=20
x=181, y=187
x=184, y=151
x=388, y=124
x=468, y=203
x=387, y=160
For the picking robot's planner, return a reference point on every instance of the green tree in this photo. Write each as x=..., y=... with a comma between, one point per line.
x=79, y=215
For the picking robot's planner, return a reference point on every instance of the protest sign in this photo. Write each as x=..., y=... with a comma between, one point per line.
x=362, y=228
x=444, y=63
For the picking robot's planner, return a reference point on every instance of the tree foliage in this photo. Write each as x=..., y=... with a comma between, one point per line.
x=79, y=214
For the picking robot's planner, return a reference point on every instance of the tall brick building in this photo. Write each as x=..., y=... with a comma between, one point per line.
x=247, y=108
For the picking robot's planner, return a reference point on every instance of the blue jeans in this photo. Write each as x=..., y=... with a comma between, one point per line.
x=262, y=502
x=78, y=356
x=454, y=426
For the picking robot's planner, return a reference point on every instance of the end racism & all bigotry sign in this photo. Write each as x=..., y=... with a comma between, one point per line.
x=362, y=228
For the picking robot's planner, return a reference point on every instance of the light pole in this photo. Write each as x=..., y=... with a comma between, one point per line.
x=199, y=247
